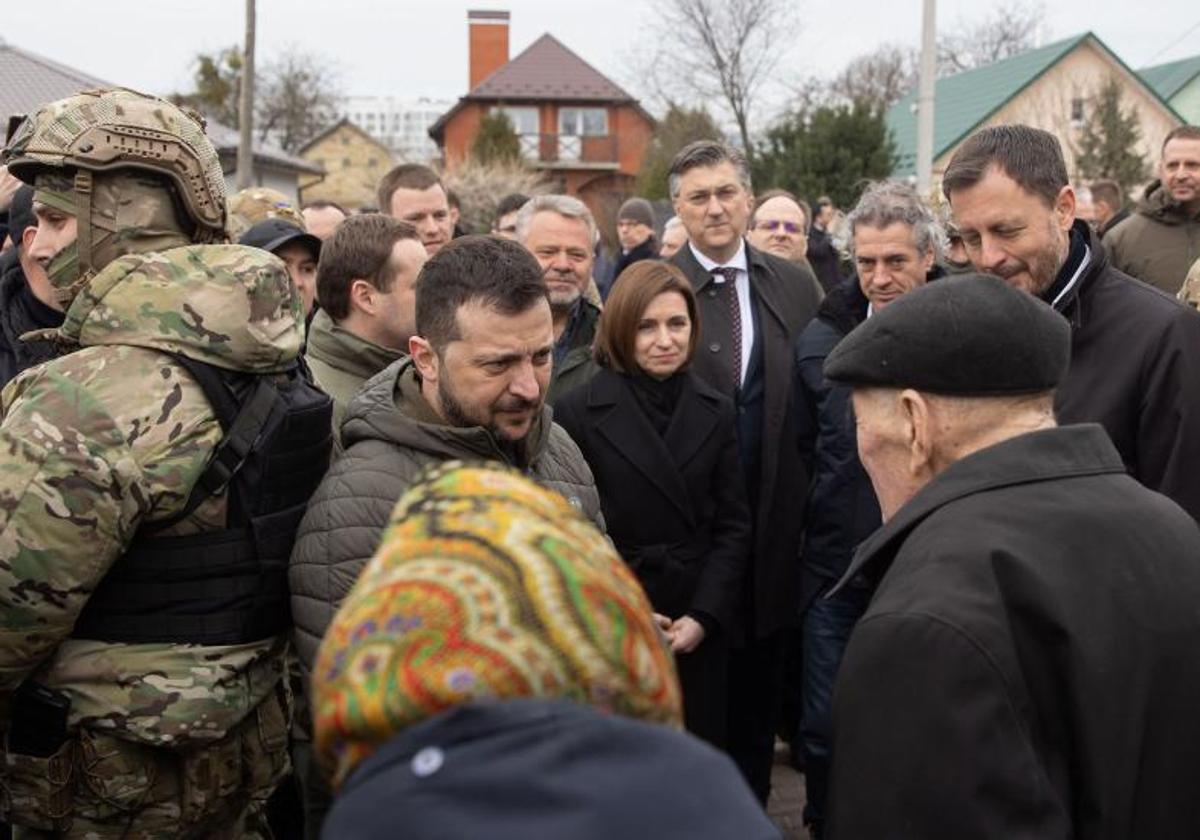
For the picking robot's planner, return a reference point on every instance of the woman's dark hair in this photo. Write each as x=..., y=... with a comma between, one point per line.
x=631, y=295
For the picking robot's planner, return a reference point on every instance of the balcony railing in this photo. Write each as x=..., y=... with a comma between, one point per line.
x=567, y=149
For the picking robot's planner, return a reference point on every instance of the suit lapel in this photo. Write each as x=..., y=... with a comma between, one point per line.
x=622, y=423
x=765, y=283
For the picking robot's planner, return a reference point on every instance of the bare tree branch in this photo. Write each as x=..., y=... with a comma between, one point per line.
x=1010, y=29
x=720, y=49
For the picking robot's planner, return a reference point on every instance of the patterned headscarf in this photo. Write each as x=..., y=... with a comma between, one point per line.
x=485, y=586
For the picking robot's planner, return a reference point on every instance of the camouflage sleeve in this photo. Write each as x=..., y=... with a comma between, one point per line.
x=84, y=459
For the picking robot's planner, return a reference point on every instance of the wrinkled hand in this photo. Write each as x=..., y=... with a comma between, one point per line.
x=685, y=634
x=8, y=187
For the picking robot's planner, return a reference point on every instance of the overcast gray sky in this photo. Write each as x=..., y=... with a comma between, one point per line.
x=414, y=48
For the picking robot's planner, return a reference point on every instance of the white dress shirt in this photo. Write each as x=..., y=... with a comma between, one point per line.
x=742, y=287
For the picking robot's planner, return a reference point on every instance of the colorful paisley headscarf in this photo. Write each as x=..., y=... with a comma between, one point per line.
x=485, y=586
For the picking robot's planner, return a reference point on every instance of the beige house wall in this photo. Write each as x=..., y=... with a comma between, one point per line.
x=1080, y=74
x=354, y=162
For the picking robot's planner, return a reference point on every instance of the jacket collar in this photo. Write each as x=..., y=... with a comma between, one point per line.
x=341, y=349
x=1070, y=306
x=1046, y=455
x=660, y=458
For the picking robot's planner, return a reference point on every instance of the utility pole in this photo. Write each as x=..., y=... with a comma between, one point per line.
x=245, y=155
x=925, y=88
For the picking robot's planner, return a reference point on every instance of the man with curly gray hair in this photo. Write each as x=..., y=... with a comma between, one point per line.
x=895, y=242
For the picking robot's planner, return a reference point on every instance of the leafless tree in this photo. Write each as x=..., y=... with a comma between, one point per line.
x=879, y=78
x=1011, y=28
x=720, y=49
x=297, y=98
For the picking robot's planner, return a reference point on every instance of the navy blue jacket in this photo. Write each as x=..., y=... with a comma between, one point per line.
x=545, y=770
x=842, y=510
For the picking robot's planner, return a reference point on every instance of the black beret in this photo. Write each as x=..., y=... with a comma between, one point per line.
x=970, y=335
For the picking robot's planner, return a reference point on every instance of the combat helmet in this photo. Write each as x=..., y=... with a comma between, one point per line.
x=80, y=143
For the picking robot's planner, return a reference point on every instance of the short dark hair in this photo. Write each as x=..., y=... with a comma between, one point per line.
x=1109, y=192
x=359, y=249
x=408, y=176
x=322, y=204
x=631, y=294
x=759, y=201
x=495, y=272
x=706, y=153
x=1183, y=132
x=510, y=204
x=1030, y=156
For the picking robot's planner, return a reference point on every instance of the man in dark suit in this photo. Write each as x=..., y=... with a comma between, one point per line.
x=752, y=306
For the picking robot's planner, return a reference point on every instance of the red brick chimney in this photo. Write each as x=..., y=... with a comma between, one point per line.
x=488, y=43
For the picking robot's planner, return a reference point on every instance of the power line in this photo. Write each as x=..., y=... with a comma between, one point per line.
x=1174, y=43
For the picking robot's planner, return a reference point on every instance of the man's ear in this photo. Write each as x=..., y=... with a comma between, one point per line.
x=1064, y=207
x=918, y=430
x=362, y=296
x=425, y=358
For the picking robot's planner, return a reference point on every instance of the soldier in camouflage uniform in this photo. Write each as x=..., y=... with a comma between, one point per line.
x=255, y=204
x=169, y=739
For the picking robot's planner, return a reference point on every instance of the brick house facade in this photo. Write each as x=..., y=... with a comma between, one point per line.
x=576, y=125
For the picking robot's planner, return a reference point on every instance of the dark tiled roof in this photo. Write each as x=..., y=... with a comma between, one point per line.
x=548, y=70
x=31, y=80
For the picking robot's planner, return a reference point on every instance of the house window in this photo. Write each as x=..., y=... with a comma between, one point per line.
x=525, y=123
x=1077, y=111
x=583, y=122
x=524, y=119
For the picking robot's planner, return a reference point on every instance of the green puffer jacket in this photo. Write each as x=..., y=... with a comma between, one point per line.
x=114, y=434
x=1158, y=243
x=390, y=435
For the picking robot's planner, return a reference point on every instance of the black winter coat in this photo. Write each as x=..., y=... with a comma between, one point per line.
x=1027, y=666
x=648, y=250
x=823, y=258
x=545, y=770
x=842, y=510
x=1135, y=369
x=785, y=304
x=674, y=505
x=21, y=312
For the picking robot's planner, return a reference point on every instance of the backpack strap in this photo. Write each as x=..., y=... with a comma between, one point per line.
x=242, y=420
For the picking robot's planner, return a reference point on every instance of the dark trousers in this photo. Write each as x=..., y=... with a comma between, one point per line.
x=827, y=626
x=755, y=695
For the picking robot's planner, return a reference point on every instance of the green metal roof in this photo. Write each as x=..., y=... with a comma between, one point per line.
x=964, y=100
x=1170, y=78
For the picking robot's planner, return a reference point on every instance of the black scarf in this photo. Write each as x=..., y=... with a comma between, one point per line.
x=657, y=397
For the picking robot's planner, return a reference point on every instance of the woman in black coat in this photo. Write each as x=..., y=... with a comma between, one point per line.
x=662, y=446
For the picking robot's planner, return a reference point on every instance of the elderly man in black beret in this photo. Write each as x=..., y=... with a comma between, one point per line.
x=1027, y=666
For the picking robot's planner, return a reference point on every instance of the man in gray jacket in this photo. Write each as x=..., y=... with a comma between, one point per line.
x=474, y=388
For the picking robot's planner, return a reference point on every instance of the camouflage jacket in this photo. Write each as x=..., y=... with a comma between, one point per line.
x=113, y=434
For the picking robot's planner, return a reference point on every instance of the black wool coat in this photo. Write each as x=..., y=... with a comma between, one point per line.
x=674, y=505
x=1135, y=370
x=785, y=303
x=1027, y=666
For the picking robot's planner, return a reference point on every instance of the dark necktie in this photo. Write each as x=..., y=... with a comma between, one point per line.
x=728, y=288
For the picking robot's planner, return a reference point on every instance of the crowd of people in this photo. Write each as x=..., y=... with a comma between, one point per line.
x=358, y=525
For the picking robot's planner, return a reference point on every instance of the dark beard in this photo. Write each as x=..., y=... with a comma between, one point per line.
x=456, y=415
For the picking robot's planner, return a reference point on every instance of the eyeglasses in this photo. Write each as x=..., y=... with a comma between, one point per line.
x=773, y=225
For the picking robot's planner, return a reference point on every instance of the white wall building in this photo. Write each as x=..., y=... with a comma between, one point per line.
x=400, y=124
